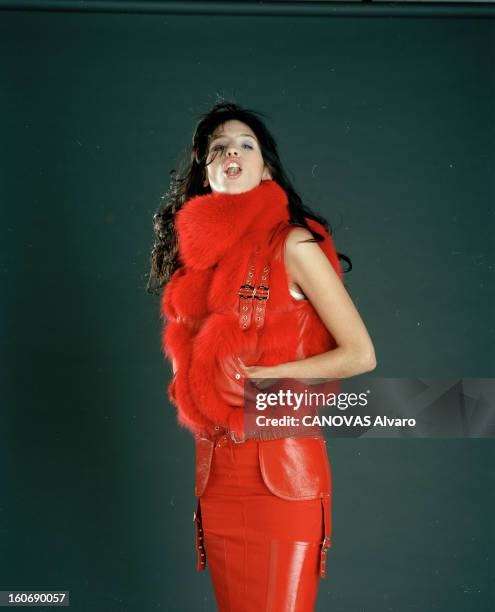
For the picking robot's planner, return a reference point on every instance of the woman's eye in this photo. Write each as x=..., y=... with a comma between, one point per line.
x=221, y=146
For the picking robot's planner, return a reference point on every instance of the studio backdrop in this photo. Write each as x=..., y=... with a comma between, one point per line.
x=384, y=117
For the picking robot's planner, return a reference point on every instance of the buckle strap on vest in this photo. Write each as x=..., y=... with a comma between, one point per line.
x=249, y=291
x=326, y=544
x=262, y=294
x=199, y=538
x=246, y=293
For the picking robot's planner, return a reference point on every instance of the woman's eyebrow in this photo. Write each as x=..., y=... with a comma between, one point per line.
x=216, y=136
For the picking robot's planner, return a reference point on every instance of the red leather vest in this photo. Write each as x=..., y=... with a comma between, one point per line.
x=203, y=334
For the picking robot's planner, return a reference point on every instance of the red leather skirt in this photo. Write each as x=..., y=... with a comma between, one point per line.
x=263, y=551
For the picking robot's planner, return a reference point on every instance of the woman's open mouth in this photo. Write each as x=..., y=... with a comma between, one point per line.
x=232, y=171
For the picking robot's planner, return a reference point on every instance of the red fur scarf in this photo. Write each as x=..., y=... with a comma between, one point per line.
x=216, y=234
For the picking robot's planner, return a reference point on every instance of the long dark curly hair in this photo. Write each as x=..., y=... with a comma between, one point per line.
x=189, y=182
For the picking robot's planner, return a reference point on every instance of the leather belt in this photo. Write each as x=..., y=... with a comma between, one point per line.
x=301, y=431
x=223, y=431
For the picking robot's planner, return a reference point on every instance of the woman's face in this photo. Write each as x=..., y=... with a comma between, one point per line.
x=234, y=145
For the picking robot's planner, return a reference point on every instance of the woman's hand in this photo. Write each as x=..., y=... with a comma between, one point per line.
x=264, y=379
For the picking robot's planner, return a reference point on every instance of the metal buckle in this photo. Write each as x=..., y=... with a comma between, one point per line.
x=250, y=288
x=265, y=292
x=233, y=438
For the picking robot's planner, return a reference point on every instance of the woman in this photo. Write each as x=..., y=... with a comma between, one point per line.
x=253, y=290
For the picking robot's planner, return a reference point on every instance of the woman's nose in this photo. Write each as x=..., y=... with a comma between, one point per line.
x=232, y=150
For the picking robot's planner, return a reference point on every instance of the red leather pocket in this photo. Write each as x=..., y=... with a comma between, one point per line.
x=295, y=468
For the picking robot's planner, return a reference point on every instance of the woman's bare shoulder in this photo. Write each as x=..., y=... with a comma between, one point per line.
x=295, y=235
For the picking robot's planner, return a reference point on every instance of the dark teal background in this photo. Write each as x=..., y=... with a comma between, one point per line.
x=386, y=126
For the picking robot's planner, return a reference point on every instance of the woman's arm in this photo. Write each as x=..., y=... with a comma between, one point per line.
x=308, y=266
